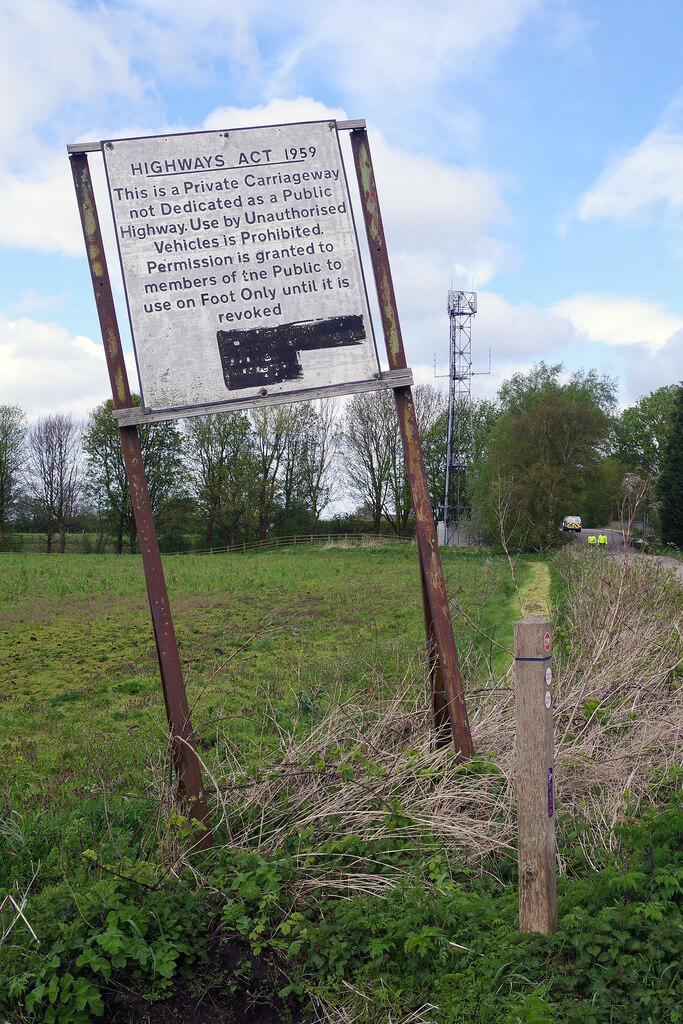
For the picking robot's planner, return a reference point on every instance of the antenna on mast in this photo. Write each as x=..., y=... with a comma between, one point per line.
x=456, y=509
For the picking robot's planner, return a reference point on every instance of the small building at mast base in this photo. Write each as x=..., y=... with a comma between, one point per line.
x=453, y=536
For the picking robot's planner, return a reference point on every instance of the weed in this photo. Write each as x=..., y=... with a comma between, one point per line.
x=380, y=873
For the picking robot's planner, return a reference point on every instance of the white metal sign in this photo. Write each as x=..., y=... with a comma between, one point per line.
x=240, y=263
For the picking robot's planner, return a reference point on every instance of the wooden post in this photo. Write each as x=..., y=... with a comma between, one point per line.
x=535, y=776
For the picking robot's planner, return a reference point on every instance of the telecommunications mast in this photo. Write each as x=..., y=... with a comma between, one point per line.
x=457, y=513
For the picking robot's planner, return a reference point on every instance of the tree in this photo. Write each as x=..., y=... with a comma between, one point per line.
x=222, y=458
x=550, y=435
x=430, y=406
x=670, y=483
x=369, y=442
x=602, y=493
x=273, y=427
x=12, y=440
x=54, y=460
x=107, y=484
x=434, y=447
x=240, y=490
x=290, y=487
x=161, y=446
x=319, y=447
x=642, y=431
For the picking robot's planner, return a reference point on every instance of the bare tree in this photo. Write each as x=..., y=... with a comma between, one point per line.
x=508, y=518
x=431, y=402
x=369, y=440
x=12, y=438
x=319, y=448
x=54, y=461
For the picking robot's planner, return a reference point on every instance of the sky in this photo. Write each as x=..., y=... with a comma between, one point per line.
x=529, y=150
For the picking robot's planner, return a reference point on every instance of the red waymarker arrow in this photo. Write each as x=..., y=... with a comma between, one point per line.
x=546, y=641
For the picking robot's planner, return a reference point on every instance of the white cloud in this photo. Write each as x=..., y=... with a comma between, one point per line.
x=642, y=374
x=516, y=335
x=390, y=48
x=522, y=335
x=62, y=62
x=643, y=182
x=41, y=212
x=435, y=218
x=428, y=207
x=31, y=302
x=65, y=67
x=619, y=321
x=426, y=199
x=71, y=69
x=521, y=332
x=277, y=111
x=52, y=53
x=47, y=369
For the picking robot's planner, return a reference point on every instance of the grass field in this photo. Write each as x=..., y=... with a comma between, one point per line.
x=365, y=875
x=263, y=639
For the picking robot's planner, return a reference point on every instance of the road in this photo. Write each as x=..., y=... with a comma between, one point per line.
x=615, y=538
x=615, y=544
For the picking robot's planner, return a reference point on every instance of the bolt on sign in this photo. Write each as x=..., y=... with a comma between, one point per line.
x=240, y=263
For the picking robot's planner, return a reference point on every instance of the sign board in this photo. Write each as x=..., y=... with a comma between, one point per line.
x=240, y=264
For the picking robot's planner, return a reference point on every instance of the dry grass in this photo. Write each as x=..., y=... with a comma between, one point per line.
x=369, y=769
x=356, y=1009
x=620, y=727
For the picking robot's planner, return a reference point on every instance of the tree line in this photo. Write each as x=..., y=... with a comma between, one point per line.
x=551, y=444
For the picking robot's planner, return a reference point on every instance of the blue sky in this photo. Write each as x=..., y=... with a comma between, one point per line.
x=529, y=149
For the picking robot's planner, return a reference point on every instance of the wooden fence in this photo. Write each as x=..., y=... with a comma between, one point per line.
x=274, y=543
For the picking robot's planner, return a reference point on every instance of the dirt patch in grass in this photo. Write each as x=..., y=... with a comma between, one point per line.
x=236, y=988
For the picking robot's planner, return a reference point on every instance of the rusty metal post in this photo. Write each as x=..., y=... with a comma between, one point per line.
x=443, y=733
x=447, y=688
x=177, y=709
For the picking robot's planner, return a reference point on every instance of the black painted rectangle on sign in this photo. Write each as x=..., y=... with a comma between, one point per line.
x=270, y=355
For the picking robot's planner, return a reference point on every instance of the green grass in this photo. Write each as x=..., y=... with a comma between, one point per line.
x=270, y=642
x=260, y=636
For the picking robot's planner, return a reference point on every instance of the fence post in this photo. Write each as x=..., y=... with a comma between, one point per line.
x=535, y=781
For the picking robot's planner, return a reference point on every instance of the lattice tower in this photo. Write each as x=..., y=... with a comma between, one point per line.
x=462, y=307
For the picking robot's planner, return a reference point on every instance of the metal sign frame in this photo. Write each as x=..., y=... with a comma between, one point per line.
x=448, y=700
